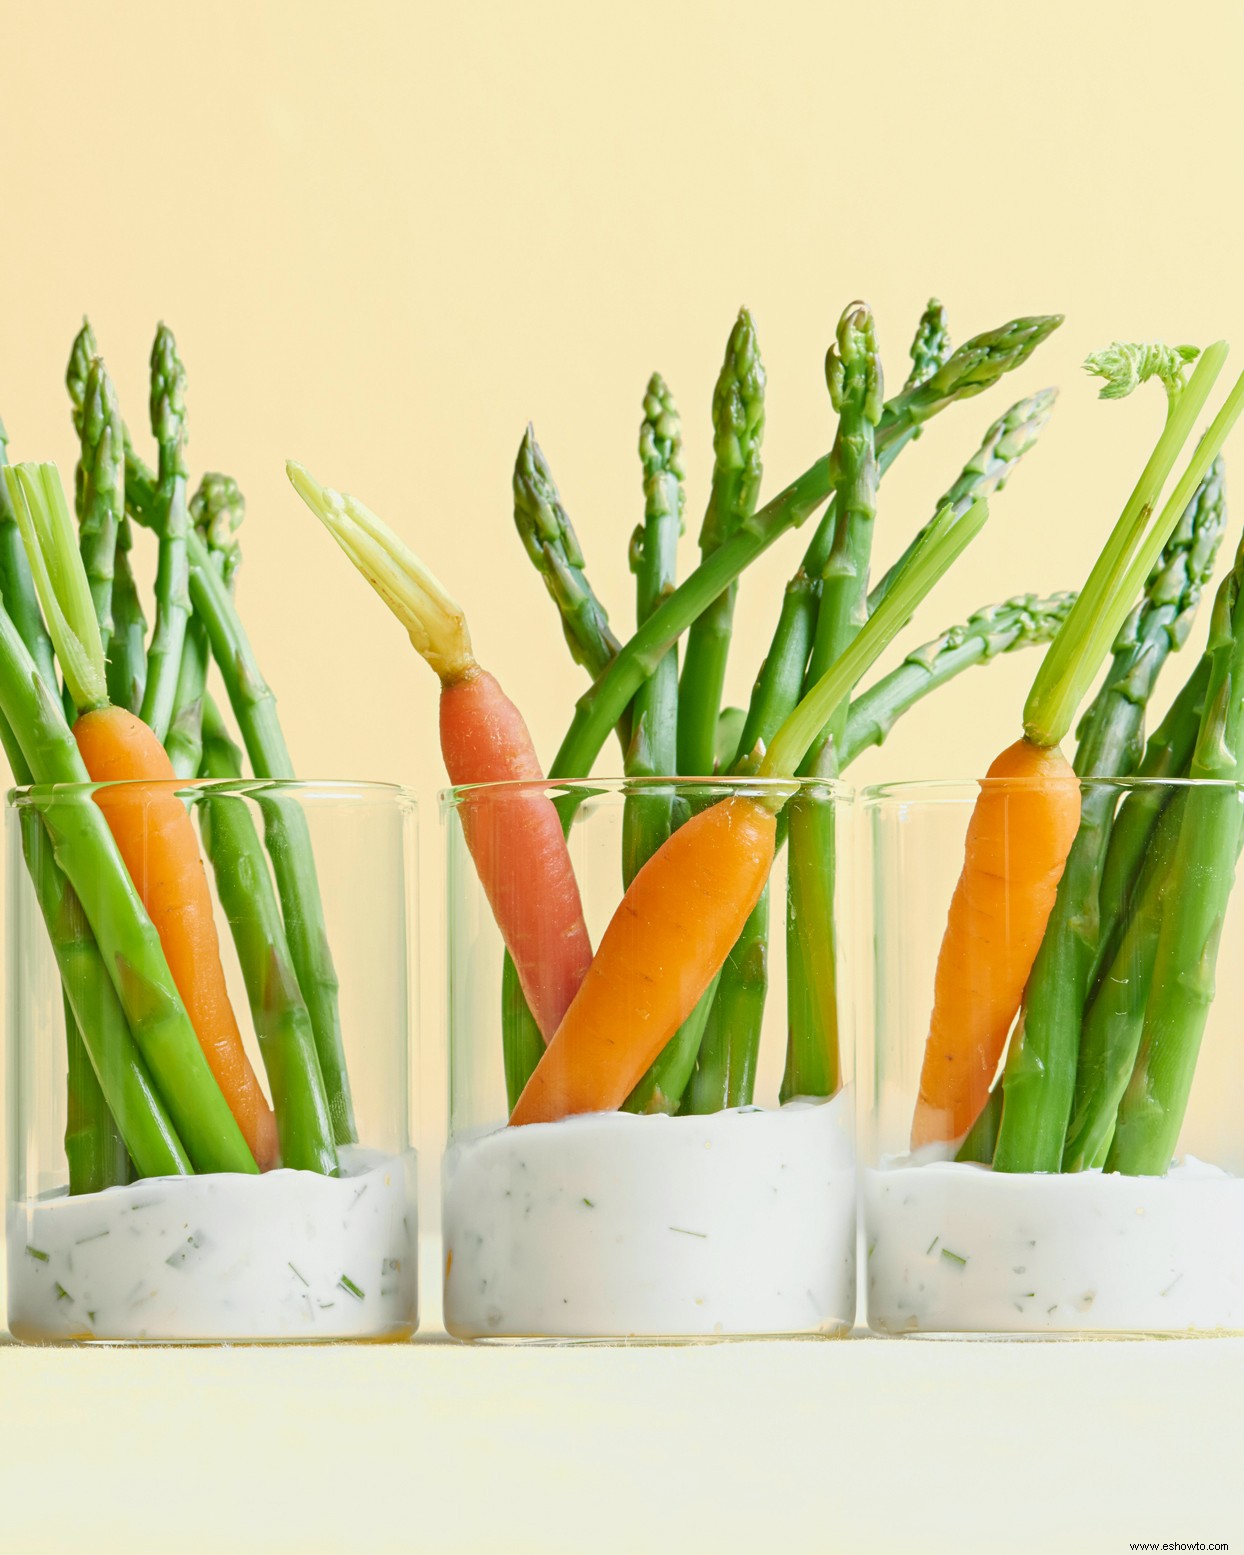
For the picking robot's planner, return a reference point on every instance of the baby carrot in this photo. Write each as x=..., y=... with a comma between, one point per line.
x=515, y=836
x=149, y=823
x=1028, y=812
x=687, y=905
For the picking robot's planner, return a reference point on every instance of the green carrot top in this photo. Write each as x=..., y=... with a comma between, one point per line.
x=433, y=619
x=1135, y=543
x=51, y=546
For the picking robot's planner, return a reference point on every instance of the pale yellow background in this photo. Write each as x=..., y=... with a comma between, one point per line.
x=386, y=235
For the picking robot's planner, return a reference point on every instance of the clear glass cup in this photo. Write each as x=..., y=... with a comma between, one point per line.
x=720, y=1201
x=1101, y=1189
x=135, y=1207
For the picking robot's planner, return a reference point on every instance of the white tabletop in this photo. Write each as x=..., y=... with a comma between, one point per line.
x=859, y=1445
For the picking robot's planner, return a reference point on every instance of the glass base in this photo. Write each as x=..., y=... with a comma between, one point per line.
x=646, y=1341
x=24, y=1334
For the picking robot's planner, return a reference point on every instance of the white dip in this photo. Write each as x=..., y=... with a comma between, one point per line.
x=959, y=1248
x=611, y=1225
x=223, y=1256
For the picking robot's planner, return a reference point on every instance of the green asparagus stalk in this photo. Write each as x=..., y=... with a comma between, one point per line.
x=970, y=370
x=216, y=510
x=168, y=422
x=930, y=346
x=738, y=433
x=81, y=841
x=127, y=639
x=95, y=1153
x=279, y=1012
x=100, y=488
x=1042, y=1062
x=102, y=1031
x=973, y=368
x=1168, y=754
x=127, y=647
x=550, y=541
x=726, y=1068
x=285, y=826
x=652, y=813
x=1200, y=871
x=855, y=385
x=654, y=559
x=730, y=1048
x=1025, y=621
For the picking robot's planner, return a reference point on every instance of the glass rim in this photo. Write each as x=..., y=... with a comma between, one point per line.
x=317, y=790
x=933, y=791
x=832, y=788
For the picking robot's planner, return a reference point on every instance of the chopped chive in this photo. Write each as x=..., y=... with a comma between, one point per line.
x=589, y=1204
x=954, y=1258
x=36, y=1253
x=931, y=1245
x=347, y=1284
x=61, y=1293
x=94, y=1237
x=305, y=1281
x=682, y=1231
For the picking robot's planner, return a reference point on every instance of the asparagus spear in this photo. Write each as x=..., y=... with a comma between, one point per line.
x=725, y=1071
x=168, y=422
x=649, y=816
x=282, y=1023
x=1040, y=1079
x=127, y=647
x=95, y=1154
x=729, y=1048
x=100, y=488
x=725, y=1067
x=654, y=556
x=930, y=346
x=550, y=541
x=1023, y=621
x=127, y=640
x=738, y=433
x=286, y=831
x=102, y=1036
x=127, y=940
x=853, y=370
x=289, y=842
x=1168, y=755
x=217, y=510
x=1200, y=871
x=971, y=369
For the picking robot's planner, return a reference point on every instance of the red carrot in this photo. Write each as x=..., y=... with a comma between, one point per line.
x=515, y=838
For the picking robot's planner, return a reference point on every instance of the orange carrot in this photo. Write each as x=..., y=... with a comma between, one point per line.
x=1022, y=829
x=1020, y=834
x=155, y=836
x=687, y=906
x=675, y=926
x=515, y=838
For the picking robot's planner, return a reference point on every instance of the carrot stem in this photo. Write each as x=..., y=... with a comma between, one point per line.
x=1094, y=621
